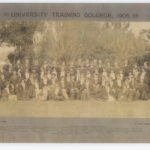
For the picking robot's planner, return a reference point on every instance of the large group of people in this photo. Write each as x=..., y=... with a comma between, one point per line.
x=80, y=79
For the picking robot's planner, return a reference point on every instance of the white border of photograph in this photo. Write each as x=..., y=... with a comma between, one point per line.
x=74, y=1
x=68, y=146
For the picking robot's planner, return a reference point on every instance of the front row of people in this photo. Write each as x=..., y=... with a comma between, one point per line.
x=99, y=86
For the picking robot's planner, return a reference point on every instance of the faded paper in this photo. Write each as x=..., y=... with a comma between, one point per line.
x=76, y=75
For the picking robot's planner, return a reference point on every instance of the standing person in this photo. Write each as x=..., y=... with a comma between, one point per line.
x=62, y=72
x=63, y=89
x=119, y=86
x=116, y=66
x=74, y=88
x=19, y=76
x=104, y=78
x=35, y=73
x=21, y=90
x=144, y=90
x=8, y=73
x=54, y=89
x=87, y=63
x=121, y=75
x=12, y=89
x=49, y=77
x=30, y=88
x=5, y=92
x=72, y=65
x=14, y=80
x=55, y=74
x=18, y=65
x=54, y=64
x=81, y=84
x=127, y=91
x=91, y=66
x=2, y=82
x=45, y=89
x=26, y=74
x=78, y=75
x=41, y=78
x=26, y=65
x=88, y=74
x=96, y=73
x=111, y=90
x=95, y=88
x=146, y=67
x=79, y=62
x=68, y=83
x=37, y=89
x=126, y=68
x=95, y=63
x=45, y=66
x=86, y=91
x=108, y=66
x=100, y=66
x=42, y=73
x=112, y=75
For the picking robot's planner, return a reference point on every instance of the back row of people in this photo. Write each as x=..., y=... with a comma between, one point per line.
x=82, y=80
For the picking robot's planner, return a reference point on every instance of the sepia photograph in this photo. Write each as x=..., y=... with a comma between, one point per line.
x=75, y=69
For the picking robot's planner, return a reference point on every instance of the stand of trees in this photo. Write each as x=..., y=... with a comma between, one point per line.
x=69, y=40
x=19, y=35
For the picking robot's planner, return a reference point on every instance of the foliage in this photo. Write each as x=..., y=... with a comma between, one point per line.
x=20, y=35
x=72, y=39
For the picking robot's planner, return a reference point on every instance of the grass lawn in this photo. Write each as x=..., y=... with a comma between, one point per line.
x=76, y=108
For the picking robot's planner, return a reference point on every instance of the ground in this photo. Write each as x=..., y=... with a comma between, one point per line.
x=76, y=108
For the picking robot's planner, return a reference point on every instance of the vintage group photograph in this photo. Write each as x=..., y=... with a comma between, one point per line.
x=74, y=68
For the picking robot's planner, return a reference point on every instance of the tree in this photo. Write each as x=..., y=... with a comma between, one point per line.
x=72, y=39
x=69, y=40
x=20, y=35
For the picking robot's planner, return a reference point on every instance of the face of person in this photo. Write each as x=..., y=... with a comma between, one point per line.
x=145, y=64
x=2, y=77
x=95, y=61
x=19, y=74
x=99, y=61
x=63, y=63
x=14, y=73
x=112, y=72
x=45, y=81
x=95, y=78
x=18, y=62
x=72, y=78
x=79, y=61
x=71, y=63
x=22, y=82
x=143, y=71
x=62, y=82
x=116, y=64
x=33, y=71
x=78, y=71
x=108, y=64
x=9, y=70
x=27, y=61
x=135, y=66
